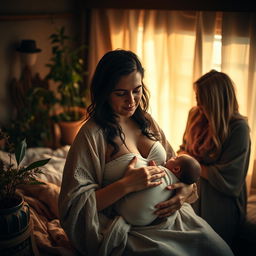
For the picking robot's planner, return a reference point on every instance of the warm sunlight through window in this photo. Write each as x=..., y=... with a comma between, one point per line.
x=168, y=56
x=217, y=53
x=167, y=77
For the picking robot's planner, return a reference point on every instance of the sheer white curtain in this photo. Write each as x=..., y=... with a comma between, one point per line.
x=167, y=52
x=111, y=29
x=176, y=47
x=239, y=61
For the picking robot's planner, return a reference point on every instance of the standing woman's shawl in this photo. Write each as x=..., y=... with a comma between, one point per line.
x=94, y=234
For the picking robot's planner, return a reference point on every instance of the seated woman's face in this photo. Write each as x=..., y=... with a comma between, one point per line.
x=126, y=96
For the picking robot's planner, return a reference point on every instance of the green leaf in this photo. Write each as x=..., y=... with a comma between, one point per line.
x=20, y=151
x=37, y=164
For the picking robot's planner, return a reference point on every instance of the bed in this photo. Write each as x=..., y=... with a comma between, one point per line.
x=246, y=242
x=50, y=238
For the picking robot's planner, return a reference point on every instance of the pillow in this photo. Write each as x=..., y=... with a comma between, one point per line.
x=52, y=171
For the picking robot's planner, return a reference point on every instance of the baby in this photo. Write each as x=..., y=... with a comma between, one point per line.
x=138, y=208
x=186, y=168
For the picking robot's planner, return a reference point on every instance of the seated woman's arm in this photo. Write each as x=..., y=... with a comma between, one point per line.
x=184, y=193
x=135, y=179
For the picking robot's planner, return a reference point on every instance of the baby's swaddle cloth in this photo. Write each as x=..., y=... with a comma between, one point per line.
x=138, y=208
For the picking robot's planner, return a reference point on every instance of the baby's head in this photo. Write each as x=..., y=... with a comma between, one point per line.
x=186, y=168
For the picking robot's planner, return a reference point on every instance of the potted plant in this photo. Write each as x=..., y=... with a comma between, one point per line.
x=67, y=70
x=14, y=211
x=32, y=119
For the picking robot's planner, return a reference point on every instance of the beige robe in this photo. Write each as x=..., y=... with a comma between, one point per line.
x=93, y=233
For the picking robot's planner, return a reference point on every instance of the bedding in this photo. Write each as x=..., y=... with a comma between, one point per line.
x=48, y=235
x=247, y=236
x=251, y=211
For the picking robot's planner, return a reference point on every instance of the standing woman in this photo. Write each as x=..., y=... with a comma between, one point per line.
x=101, y=169
x=217, y=135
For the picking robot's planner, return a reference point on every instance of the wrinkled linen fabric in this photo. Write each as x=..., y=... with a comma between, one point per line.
x=138, y=208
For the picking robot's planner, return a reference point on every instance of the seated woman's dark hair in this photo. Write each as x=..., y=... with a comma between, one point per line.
x=112, y=66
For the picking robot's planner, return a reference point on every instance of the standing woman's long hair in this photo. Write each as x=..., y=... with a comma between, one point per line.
x=209, y=125
x=112, y=66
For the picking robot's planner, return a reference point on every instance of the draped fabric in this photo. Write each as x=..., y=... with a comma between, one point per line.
x=176, y=48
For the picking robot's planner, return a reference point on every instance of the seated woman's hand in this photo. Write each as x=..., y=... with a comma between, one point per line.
x=183, y=193
x=144, y=177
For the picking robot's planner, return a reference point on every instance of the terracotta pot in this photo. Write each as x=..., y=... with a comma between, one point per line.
x=69, y=131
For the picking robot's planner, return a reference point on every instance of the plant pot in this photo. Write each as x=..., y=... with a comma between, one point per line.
x=14, y=220
x=16, y=238
x=69, y=131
